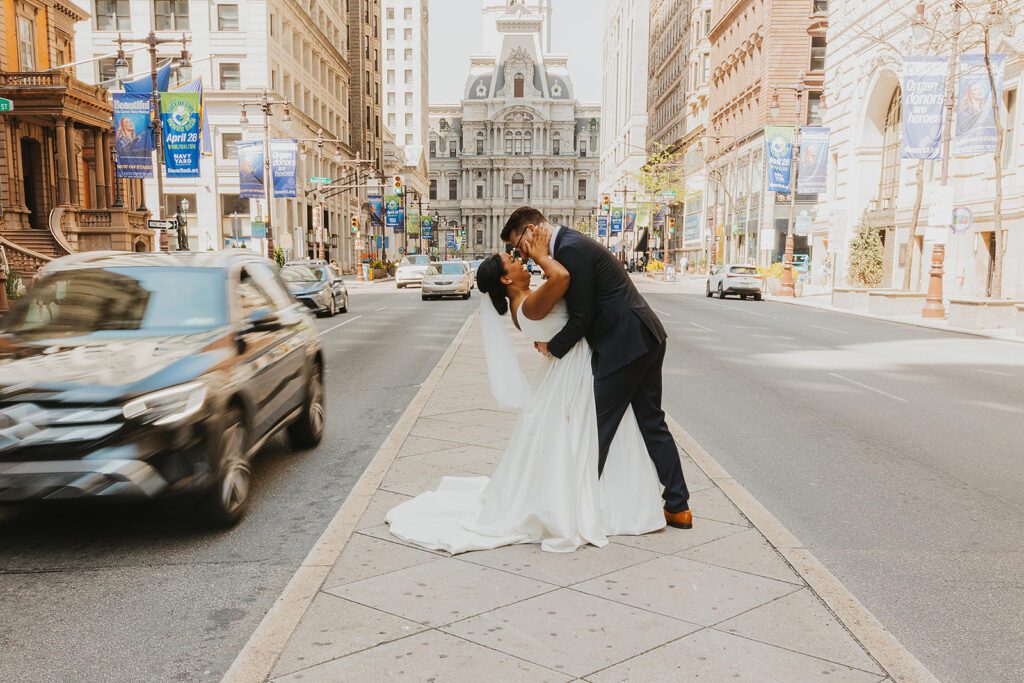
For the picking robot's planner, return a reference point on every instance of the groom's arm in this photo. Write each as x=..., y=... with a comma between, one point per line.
x=579, y=299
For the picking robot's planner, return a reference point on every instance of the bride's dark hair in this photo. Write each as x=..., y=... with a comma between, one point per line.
x=488, y=281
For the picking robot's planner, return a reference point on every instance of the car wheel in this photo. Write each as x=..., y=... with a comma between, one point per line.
x=344, y=308
x=334, y=307
x=226, y=501
x=707, y=290
x=721, y=291
x=308, y=429
x=758, y=297
x=424, y=297
x=465, y=296
x=400, y=285
x=743, y=296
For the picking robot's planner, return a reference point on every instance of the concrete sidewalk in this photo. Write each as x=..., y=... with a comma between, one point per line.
x=720, y=601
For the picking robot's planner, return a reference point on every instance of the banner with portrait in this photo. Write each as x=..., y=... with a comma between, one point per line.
x=778, y=155
x=629, y=220
x=812, y=168
x=179, y=114
x=250, y=169
x=924, y=89
x=284, y=166
x=376, y=204
x=975, y=129
x=133, y=136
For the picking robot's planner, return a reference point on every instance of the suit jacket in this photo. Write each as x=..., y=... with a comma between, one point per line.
x=604, y=307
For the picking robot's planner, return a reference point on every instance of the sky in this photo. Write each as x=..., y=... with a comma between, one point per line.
x=455, y=35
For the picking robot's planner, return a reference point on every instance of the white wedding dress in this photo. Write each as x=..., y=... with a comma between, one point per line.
x=545, y=489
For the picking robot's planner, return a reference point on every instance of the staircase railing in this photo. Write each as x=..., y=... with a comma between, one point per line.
x=56, y=226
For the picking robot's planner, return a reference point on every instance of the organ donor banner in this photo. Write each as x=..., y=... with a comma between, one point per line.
x=283, y=166
x=812, y=175
x=975, y=130
x=924, y=88
x=133, y=137
x=778, y=155
x=617, y=220
x=250, y=169
x=179, y=112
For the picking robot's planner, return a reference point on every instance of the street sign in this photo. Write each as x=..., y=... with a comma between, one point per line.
x=319, y=180
x=163, y=225
x=670, y=194
x=6, y=105
x=259, y=230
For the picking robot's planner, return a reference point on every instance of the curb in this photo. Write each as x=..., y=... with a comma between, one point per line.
x=880, y=644
x=257, y=658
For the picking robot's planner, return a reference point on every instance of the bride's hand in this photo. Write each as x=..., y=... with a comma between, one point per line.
x=540, y=244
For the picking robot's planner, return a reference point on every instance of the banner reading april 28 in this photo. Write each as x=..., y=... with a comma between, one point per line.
x=179, y=113
x=778, y=157
x=133, y=138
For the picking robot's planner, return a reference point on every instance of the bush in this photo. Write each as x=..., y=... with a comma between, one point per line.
x=279, y=256
x=13, y=285
x=655, y=266
x=774, y=270
x=865, y=265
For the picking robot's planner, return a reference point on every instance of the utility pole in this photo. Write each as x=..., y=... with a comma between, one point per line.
x=787, y=287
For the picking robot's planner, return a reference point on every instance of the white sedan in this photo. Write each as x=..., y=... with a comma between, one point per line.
x=410, y=271
x=740, y=279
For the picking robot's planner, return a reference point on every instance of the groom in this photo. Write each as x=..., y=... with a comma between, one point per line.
x=627, y=341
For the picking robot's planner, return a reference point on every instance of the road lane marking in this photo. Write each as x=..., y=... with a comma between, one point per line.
x=741, y=310
x=667, y=315
x=869, y=388
x=706, y=329
x=380, y=309
x=994, y=372
x=829, y=329
x=331, y=329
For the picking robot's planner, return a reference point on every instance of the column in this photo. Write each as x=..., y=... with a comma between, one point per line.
x=72, y=162
x=108, y=165
x=63, y=198
x=99, y=160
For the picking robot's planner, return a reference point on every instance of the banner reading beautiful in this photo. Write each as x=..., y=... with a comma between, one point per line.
x=283, y=164
x=975, y=130
x=179, y=112
x=924, y=88
x=778, y=155
x=630, y=220
x=376, y=204
x=133, y=137
x=250, y=169
x=812, y=175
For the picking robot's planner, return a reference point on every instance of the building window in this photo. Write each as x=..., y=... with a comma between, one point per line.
x=408, y=99
x=391, y=121
x=227, y=17
x=171, y=15
x=519, y=145
x=556, y=191
x=517, y=186
x=814, y=109
x=1010, y=104
x=582, y=192
x=408, y=120
x=391, y=99
x=433, y=188
x=518, y=86
x=453, y=149
x=705, y=61
x=407, y=34
x=408, y=138
x=891, y=139
x=821, y=6
x=390, y=13
x=391, y=77
x=453, y=189
x=479, y=147
x=113, y=15
x=707, y=21
x=105, y=72
x=407, y=13
x=583, y=150
x=556, y=146
x=26, y=44
x=230, y=77
x=390, y=55
x=229, y=145
x=479, y=191
x=528, y=144
x=817, y=54
x=391, y=34
x=433, y=150
x=508, y=145
x=408, y=76
x=408, y=54
x=479, y=236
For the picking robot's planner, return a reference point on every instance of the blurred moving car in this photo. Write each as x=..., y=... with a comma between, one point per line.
x=729, y=278
x=316, y=284
x=473, y=266
x=411, y=269
x=448, y=278
x=151, y=375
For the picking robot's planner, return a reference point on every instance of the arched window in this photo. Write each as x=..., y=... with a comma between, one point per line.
x=528, y=144
x=479, y=143
x=519, y=144
x=892, y=138
x=508, y=144
x=518, y=85
x=556, y=144
x=517, y=186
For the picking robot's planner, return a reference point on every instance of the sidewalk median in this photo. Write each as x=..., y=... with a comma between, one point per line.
x=736, y=597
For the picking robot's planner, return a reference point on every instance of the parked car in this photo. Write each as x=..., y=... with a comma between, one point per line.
x=316, y=284
x=448, y=278
x=473, y=266
x=411, y=269
x=140, y=376
x=743, y=280
x=534, y=267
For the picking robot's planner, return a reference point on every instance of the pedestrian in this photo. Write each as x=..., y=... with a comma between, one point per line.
x=684, y=265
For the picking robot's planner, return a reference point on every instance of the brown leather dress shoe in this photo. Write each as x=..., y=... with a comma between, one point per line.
x=679, y=520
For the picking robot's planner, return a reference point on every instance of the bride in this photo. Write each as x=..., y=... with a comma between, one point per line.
x=546, y=488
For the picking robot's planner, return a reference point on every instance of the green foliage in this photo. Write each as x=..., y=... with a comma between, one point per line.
x=279, y=256
x=12, y=285
x=865, y=263
x=663, y=171
x=774, y=270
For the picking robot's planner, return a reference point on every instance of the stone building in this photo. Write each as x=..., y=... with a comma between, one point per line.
x=519, y=136
x=58, y=191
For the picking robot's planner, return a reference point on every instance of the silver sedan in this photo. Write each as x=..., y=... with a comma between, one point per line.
x=448, y=278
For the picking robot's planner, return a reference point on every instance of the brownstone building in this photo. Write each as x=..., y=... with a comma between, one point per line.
x=761, y=50
x=57, y=188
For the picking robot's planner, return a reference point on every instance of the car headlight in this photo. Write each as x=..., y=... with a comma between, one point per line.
x=167, y=406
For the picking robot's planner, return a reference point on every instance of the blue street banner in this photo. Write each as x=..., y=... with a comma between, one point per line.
x=616, y=220
x=283, y=166
x=250, y=169
x=144, y=84
x=629, y=220
x=428, y=228
x=975, y=130
x=778, y=157
x=133, y=136
x=196, y=86
x=393, y=217
x=924, y=89
x=376, y=203
x=691, y=229
x=179, y=112
x=602, y=226
x=450, y=240
x=659, y=217
x=812, y=170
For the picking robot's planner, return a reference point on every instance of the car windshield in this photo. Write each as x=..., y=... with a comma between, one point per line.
x=416, y=260
x=297, y=273
x=744, y=270
x=453, y=269
x=91, y=300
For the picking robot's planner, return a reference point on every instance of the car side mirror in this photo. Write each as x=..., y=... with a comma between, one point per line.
x=263, y=320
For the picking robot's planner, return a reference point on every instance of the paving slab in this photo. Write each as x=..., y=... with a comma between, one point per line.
x=365, y=556
x=746, y=551
x=669, y=541
x=381, y=502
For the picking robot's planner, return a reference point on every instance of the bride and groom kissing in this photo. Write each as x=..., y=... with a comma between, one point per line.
x=590, y=455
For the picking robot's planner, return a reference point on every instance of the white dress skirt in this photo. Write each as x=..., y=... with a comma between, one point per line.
x=545, y=489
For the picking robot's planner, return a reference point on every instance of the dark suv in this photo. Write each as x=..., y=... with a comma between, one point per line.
x=145, y=375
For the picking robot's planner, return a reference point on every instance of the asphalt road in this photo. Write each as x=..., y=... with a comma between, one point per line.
x=894, y=452
x=141, y=594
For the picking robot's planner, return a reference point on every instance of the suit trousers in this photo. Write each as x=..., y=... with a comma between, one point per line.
x=639, y=384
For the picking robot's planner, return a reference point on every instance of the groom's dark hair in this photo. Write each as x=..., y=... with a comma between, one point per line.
x=520, y=218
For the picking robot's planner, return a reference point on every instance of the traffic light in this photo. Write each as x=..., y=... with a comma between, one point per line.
x=355, y=224
x=606, y=203
x=398, y=185
x=671, y=225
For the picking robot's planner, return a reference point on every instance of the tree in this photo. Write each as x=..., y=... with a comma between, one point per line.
x=865, y=265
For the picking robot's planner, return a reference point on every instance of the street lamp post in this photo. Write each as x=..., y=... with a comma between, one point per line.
x=787, y=288
x=184, y=73
x=319, y=141
x=266, y=105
